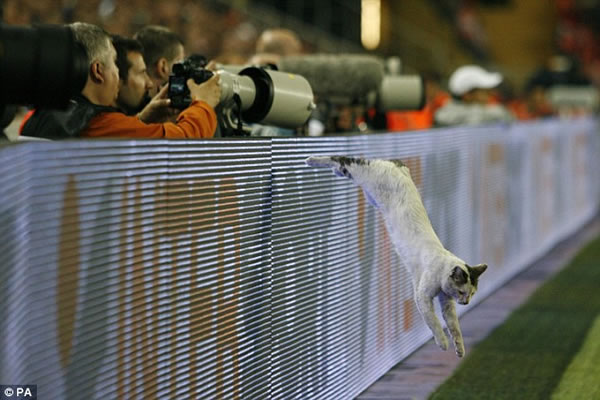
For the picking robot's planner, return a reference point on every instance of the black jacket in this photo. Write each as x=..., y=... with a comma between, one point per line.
x=59, y=124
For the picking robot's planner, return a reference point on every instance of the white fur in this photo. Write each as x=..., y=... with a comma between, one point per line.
x=390, y=188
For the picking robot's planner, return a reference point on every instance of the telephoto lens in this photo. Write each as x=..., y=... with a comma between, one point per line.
x=41, y=65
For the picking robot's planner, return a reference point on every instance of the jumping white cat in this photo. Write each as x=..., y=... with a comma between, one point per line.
x=435, y=271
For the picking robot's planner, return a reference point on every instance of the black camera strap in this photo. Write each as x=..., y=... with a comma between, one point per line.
x=238, y=103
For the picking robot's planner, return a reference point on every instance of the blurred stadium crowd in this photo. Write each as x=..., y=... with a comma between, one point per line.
x=220, y=32
x=210, y=27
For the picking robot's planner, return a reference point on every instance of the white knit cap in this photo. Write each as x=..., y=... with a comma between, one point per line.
x=469, y=77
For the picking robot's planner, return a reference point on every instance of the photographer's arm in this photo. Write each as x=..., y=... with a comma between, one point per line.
x=158, y=110
x=197, y=121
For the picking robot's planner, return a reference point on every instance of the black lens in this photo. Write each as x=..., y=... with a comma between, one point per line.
x=201, y=75
x=40, y=65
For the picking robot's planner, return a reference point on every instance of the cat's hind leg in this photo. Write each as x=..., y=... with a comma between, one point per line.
x=449, y=313
x=425, y=306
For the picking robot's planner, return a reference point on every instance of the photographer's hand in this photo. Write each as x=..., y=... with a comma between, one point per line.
x=212, y=66
x=158, y=110
x=209, y=91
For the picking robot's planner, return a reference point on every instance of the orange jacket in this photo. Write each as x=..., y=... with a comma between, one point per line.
x=197, y=121
x=417, y=119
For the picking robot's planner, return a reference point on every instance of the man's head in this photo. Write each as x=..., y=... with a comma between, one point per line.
x=282, y=42
x=473, y=84
x=162, y=49
x=274, y=44
x=102, y=86
x=135, y=87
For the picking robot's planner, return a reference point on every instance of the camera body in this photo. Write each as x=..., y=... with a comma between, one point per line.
x=178, y=92
x=249, y=95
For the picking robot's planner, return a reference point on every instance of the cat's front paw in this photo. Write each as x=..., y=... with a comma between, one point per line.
x=442, y=342
x=320, y=161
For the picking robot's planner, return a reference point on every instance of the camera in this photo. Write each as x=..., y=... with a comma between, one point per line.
x=248, y=94
x=401, y=92
x=190, y=68
x=41, y=65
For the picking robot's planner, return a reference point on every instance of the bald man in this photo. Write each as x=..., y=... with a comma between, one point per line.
x=270, y=47
x=274, y=44
x=279, y=41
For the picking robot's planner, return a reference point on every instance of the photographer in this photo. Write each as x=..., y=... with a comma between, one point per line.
x=93, y=113
x=162, y=49
x=270, y=47
x=471, y=88
x=136, y=85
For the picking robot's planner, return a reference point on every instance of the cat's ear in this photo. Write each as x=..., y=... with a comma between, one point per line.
x=477, y=270
x=459, y=275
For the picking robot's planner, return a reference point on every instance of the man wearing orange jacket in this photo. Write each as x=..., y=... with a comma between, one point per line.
x=93, y=113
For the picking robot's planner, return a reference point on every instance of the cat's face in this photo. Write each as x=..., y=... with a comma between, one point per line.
x=462, y=282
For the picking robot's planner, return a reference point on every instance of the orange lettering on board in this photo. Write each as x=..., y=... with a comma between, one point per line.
x=227, y=310
x=68, y=270
x=493, y=205
x=141, y=323
x=151, y=376
x=178, y=223
x=201, y=312
x=495, y=153
x=408, y=314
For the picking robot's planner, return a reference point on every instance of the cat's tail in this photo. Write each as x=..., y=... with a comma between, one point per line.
x=339, y=164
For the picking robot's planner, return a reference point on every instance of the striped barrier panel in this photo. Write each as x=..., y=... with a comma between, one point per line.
x=230, y=269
